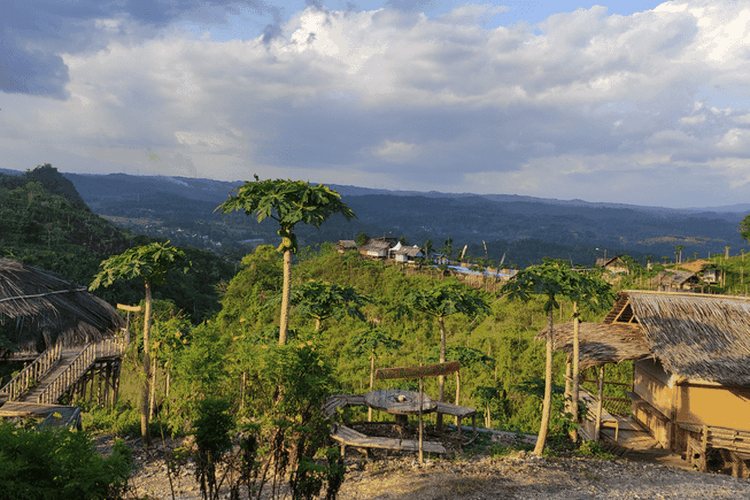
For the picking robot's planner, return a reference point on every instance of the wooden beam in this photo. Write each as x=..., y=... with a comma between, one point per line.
x=418, y=371
x=129, y=308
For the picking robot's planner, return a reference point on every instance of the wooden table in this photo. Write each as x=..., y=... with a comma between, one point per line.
x=399, y=403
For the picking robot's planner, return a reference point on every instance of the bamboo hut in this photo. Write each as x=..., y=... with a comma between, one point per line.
x=691, y=357
x=39, y=309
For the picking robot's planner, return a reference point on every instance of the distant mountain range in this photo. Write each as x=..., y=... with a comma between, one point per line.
x=522, y=228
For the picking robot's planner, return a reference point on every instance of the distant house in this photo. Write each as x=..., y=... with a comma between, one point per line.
x=377, y=248
x=614, y=265
x=342, y=246
x=401, y=253
x=706, y=269
x=674, y=281
x=691, y=374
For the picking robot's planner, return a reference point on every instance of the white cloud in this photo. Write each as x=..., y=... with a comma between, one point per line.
x=582, y=100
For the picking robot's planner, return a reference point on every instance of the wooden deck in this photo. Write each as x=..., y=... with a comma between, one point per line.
x=54, y=415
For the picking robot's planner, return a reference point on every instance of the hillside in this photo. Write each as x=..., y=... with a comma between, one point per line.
x=45, y=223
x=525, y=229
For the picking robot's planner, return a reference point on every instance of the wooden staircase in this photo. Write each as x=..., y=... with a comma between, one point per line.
x=55, y=371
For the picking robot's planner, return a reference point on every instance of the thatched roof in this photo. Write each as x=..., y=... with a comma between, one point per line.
x=599, y=343
x=696, y=336
x=39, y=308
x=674, y=279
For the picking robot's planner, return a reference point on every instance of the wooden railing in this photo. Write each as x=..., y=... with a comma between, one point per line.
x=109, y=348
x=32, y=374
x=75, y=370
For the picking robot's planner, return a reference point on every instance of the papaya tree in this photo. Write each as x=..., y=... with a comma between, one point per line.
x=288, y=203
x=369, y=341
x=150, y=263
x=319, y=300
x=441, y=301
x=552, y=280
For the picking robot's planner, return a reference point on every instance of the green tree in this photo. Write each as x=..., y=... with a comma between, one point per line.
x=369, y=341
x=288, y=203
x=362, y=238
x=551, y=279
x=744, y=228
x=150, y=263
x=441, y=301
x=319, y=300
x=680, y=248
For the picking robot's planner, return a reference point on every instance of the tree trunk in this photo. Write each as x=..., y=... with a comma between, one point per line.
x=547, y=404
x=441, y=378
x=372, y=382
x=286, y=289
x=574, y=395
x=458, y=393
x=145, y=433
x=152, y=392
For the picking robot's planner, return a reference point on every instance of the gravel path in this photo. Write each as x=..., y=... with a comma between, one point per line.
x=517, y=476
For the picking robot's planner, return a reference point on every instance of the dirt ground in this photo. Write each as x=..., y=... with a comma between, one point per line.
x=468, y=475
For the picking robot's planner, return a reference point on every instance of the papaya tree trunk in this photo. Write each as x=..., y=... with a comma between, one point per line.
x=574, y=395
x=441, y=378
x=372, y=382
x=146, y=367
x=547, y=403
x=285, y=292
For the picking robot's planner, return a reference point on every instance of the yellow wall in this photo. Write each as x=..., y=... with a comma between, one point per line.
x=713, y=405
x=695, y=402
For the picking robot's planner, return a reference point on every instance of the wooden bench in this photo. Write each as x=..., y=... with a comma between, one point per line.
x=337, y=401
x=460, y=412
x=640, y=405
x=347, y=436
x=733, y=444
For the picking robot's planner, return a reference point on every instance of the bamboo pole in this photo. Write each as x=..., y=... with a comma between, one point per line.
x=600, y=405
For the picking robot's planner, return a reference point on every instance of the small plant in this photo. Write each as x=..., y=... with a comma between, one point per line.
x=497, y=450
x=592, y=449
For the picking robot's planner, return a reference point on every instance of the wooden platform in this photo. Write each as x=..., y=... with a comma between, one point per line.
x=349, y=437
x=53, y=415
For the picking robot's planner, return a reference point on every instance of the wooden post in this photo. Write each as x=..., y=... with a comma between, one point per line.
x=599, y=406
x=421, y=422
x=575, y=370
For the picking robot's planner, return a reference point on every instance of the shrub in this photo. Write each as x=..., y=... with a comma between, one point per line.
x=59, y=465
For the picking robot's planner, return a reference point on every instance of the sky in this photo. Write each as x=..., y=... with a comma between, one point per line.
x=635, y=102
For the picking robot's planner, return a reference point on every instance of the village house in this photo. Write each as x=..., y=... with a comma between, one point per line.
x=401, y=253
x=706, y=269
x=691, y=375
x=614, y=265
x=674, y=281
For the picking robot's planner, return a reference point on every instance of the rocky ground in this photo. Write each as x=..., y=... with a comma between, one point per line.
x=515, y=475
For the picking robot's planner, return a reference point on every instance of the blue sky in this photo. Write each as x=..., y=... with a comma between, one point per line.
x=632, y=102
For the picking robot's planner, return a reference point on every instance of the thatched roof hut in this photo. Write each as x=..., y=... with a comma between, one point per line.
x=695, y=336
x=39, y=308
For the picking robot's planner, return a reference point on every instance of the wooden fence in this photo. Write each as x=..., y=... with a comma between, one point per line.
x=66, y=379
x=32, y=374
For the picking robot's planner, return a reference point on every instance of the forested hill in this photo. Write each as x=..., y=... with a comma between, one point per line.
x=525, y=229
x=45, y=223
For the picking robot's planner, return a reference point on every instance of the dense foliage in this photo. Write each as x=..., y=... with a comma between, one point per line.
x=58, y=465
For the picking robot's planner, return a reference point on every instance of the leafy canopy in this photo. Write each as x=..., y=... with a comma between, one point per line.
x=150, y=262
x=287, y=202
x=444, y=300
x=319, y=300
x=554, y=279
